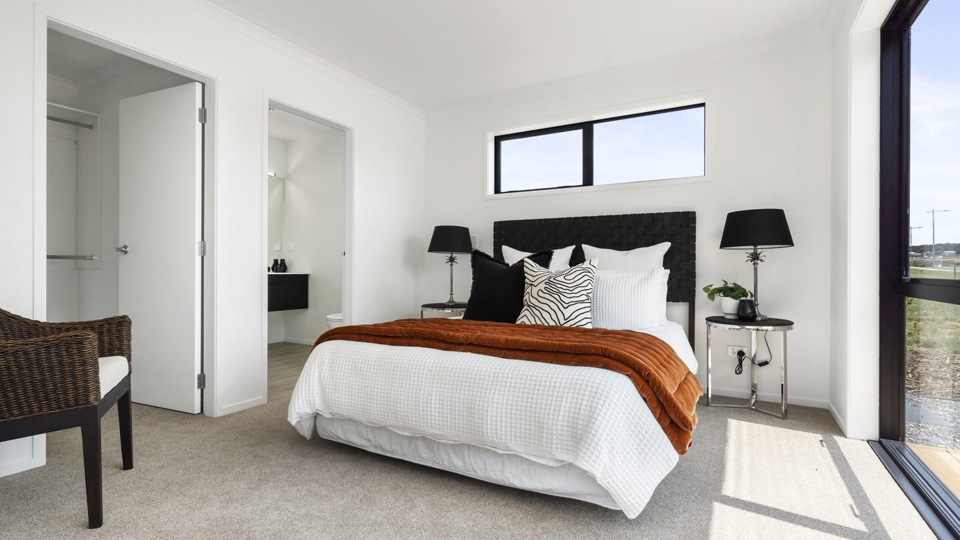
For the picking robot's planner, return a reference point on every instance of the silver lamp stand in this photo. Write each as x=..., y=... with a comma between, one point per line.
x=756, y=257
x=451, y=260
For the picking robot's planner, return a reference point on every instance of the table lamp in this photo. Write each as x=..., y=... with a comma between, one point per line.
x=756, y=230
x=450, y=239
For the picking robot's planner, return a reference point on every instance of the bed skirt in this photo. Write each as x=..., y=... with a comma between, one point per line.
x=513, y=470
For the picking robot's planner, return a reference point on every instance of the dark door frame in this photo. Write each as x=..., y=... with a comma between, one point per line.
x=936, y=503
x=894, y=209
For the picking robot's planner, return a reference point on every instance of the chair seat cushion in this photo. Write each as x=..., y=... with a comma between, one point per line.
x=112, y=370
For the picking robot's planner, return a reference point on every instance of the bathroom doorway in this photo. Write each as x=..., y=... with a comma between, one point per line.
x=305, y=238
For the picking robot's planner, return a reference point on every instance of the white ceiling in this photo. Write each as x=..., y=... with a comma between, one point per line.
x=436, y=53
x=72, y=59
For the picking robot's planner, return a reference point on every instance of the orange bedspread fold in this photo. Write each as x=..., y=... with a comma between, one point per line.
x=660, y=376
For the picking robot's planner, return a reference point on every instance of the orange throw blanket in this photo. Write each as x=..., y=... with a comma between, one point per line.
x=662, y=379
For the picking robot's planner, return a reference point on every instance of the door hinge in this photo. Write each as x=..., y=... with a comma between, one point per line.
x=202, y=116
x=202, y=248
x=201, y=381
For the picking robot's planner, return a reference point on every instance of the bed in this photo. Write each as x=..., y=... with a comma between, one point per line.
x=563, y=430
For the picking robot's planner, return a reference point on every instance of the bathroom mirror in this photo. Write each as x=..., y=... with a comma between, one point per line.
x=275, y=197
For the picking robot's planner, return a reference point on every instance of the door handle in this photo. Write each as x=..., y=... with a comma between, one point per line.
x=123, y=250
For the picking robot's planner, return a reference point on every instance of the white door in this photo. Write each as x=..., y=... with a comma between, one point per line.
x=160, y=223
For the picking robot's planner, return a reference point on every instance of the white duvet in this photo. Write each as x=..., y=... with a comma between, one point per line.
x=552, y=414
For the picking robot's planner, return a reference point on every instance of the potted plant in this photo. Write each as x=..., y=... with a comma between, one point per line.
x=730, y=295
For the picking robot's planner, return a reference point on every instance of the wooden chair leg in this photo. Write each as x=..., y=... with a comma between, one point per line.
x=92, y=467
x=126, y=430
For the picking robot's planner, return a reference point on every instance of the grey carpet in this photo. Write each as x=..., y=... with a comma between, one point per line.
x=250, y=475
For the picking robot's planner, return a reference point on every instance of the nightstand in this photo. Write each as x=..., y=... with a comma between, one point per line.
x=447, y=310
x=760, y=325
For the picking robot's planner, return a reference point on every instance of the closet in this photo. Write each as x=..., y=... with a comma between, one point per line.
x=124, y=216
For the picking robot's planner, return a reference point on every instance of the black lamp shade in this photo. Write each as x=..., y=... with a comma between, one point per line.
x=450, y=239
x=761, y=229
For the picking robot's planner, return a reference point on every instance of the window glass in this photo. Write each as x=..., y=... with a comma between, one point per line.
x=652, y=147
x=543, y=161
x=935, y=141
x=658, y=145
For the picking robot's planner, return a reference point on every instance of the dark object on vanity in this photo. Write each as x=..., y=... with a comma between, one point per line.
x=747, y=310
x=276, y=266
x=283, y=266
x=50, y=380
x=287, y=291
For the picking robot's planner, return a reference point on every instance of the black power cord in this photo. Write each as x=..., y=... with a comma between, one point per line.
x=741, y=356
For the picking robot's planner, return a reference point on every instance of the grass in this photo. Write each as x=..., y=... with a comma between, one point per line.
x=947, y=272
x=933, y=325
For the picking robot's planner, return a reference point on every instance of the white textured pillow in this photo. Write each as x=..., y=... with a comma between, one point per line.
x=559, y=261
x=635, y=260
x=559, y=299
x=630, y=300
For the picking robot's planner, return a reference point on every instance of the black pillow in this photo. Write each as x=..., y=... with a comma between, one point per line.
x=497, y=291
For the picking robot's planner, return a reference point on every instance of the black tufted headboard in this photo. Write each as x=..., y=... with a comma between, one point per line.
x=623, y=232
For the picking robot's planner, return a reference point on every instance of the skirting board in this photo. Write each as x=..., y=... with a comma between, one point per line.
x=774, y=398
x=841, y=422
x=275, y=340
x=22, y=454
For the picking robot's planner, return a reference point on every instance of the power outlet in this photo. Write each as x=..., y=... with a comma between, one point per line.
x=732, y=350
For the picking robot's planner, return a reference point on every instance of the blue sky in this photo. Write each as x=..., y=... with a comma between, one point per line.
x=935, y=121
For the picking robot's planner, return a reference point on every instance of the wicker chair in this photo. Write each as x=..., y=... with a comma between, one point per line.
x=50, y=379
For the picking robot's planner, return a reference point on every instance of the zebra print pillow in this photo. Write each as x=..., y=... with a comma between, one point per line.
x=558, y=299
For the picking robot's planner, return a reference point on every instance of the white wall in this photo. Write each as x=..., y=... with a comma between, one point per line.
x=63, y=277
x=313, y=222
x=854, y=305
x=277, y=164
x=768, y=145
x=248, y=67
x=63, y=280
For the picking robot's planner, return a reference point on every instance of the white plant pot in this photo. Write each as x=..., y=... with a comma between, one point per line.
x=729, y=307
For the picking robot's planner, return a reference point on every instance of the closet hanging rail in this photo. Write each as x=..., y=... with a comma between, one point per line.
x=70, y=122
x=71, y=258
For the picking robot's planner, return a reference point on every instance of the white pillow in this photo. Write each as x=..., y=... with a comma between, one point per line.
x=635, y=260
x=559, y=299
x=630, y=300
x=559, y=261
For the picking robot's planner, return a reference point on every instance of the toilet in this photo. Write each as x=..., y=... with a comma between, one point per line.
x=334, y=320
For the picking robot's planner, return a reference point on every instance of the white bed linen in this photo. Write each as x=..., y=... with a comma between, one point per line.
x=590, y=418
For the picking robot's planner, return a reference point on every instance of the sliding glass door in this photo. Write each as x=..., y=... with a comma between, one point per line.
x=920, y=241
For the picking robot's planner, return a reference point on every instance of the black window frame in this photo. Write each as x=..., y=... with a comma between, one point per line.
x=587, y=142
x=935, y=502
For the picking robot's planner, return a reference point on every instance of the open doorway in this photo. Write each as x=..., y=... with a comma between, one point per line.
x=125, y=171
x=305, y=238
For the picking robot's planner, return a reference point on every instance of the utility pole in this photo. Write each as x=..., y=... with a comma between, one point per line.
x=911, y=235
x=933, y=218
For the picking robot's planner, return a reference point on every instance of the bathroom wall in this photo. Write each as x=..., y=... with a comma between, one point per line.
x=314, y=225
x=277, y=164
